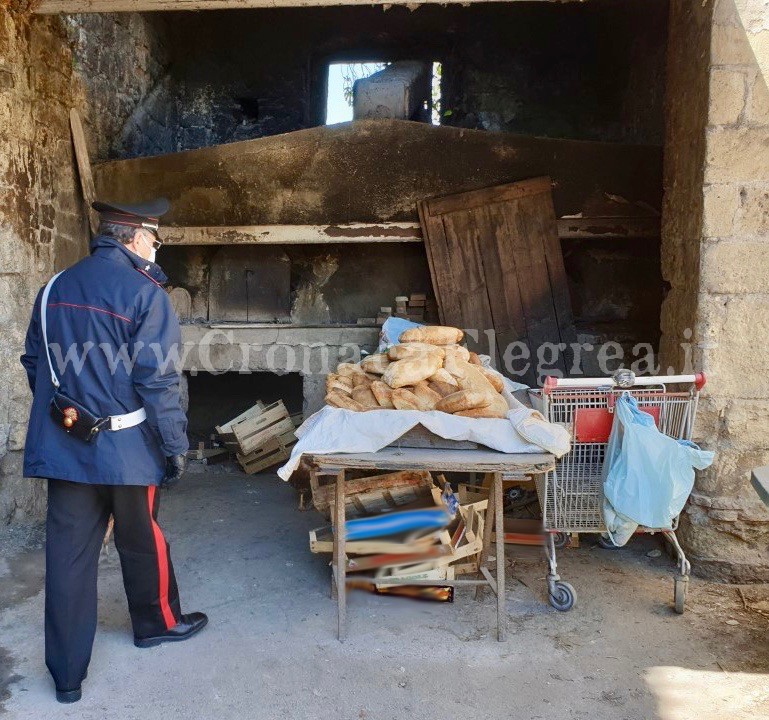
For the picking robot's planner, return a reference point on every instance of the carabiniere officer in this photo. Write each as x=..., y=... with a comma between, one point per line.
x=107, y=429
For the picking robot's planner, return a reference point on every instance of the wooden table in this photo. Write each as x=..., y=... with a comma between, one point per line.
x=393, y=458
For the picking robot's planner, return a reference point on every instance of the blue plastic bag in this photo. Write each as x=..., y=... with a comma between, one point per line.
x=647, y=475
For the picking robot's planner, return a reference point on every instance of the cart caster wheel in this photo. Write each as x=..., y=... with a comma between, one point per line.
x=606, y=543
x=561, y=540
x=563, y=596
x=680, y=587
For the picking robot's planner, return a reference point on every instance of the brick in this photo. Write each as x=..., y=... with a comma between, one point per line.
x=727, y=96
x=720, y=205
x=737, y=154
x=729, y=45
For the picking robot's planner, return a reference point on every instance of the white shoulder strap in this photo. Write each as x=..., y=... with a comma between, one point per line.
x=43, y=306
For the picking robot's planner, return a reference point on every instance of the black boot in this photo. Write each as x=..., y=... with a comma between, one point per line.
x=188, y=626
x=69, y=696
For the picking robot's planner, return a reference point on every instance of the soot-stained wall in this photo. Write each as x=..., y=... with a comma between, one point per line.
x=588, y=71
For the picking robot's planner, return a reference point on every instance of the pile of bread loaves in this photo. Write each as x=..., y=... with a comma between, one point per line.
x=427, y=370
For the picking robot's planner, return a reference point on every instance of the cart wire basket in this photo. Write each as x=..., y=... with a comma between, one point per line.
x=571, y=496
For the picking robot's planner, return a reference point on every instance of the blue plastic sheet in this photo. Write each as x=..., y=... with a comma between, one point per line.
x=647, y=475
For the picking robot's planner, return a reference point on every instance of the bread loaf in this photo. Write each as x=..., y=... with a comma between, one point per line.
x=427, y=397
x=444, y=376
x=493, y=378
x=349, y=369
x=463, y=400
x=409, y=372
x=455, y=356
x=483, y=412
x=443, y=389
x=375, y=364
x=432, y=334
x=363, y=395
x=338, y=382
x=471, y=378
x=405, y=399
x=361, y=379
x=474, y=359
x=409, y=351
x=338, y=399
x=383, y=394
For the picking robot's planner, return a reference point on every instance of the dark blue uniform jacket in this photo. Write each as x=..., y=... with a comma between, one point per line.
x=115, y=343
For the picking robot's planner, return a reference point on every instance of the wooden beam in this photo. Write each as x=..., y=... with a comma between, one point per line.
x=608, y=227
x=568, y=229
x=292, y=234
x=84, y=169
x=49, y=7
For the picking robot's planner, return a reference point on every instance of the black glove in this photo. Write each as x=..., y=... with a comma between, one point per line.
x=175, y=466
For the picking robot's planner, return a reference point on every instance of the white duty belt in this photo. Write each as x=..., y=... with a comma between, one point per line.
x=116, y=422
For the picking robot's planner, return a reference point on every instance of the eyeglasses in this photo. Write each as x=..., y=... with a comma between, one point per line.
x=157, y=243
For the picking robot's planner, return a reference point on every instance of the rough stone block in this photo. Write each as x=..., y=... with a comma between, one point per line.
x=757, y=111
x=736, y=266
x=726, y=515
x=737, y=154
x=746, y=423
x=727, y=96
x=729, y=45
x=720, y=205
x=725, y=13
x=752, y=217
x=396, y=92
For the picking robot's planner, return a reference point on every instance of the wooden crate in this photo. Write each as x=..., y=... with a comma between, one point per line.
x=272, y=451
x=254, y=431
x=372, y=495
x=225, y=432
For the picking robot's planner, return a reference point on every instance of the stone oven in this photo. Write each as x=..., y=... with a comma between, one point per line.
x=287, y=236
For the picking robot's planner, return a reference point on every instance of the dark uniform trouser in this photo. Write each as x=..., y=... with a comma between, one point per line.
x=77, y=520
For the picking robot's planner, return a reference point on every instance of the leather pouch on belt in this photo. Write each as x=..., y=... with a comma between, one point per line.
x=74, y=418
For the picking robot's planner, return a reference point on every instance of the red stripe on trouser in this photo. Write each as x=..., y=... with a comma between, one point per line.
x=162, y=553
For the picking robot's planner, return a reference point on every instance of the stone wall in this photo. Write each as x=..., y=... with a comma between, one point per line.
x=715, y=238
x=584, y=71
x=42, y=225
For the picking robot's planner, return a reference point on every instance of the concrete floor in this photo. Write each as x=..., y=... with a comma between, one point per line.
x=270, y=651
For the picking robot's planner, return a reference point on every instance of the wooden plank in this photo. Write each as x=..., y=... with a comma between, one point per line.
x=387, y=232
x=52, y=7
x=445, y=460
x=253, y=442
x=392, y=482
x=522, y=238
x=439, y=261
x=339, y=558
x=226, y=428
x=293, y=234
x=486, y=196
x=84, y=169
x=609, y=227
x=499, y=263
x=256, y=423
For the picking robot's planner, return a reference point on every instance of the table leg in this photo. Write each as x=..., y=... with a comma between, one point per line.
x=499, y=522
x=340, y=555
x=486, y=539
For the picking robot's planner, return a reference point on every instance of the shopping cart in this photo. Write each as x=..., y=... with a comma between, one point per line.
x=571, y=496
